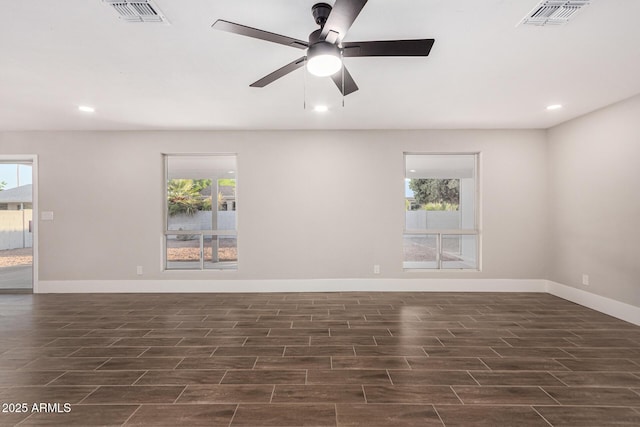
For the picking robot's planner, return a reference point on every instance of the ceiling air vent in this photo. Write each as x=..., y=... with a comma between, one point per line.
x=137, y=10
x=554, y=12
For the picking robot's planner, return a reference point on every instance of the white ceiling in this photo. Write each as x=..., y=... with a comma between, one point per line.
x=483, y=71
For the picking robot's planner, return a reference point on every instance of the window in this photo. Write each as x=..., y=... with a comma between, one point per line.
x=200, y=198
x=441, y=214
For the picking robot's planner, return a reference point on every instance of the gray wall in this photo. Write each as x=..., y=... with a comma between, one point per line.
x=343, y=192
x=594, y=202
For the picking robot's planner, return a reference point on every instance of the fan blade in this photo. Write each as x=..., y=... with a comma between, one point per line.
x=258, y=34
x=340, y=19
x=280, y=72
x=350, y=85
x=388, y=48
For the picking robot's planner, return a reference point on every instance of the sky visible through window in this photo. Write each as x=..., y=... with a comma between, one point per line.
x=9, y=174
x=407, y=191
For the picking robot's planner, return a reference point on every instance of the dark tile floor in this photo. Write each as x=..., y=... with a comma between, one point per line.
x=321, y=359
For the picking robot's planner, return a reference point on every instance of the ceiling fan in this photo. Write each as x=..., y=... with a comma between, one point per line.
x=325, y=48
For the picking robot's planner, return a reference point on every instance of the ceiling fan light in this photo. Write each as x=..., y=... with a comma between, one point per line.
x=324, y=65
x=324, y=59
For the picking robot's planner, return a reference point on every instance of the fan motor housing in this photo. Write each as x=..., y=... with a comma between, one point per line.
x=314, y=37
x=323, y=48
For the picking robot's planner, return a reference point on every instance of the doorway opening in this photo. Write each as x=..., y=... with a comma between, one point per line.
x=17, y=223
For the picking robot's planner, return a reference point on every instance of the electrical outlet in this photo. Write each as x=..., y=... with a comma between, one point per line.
x=585, y=279
x=376, y=269
x=139, y=270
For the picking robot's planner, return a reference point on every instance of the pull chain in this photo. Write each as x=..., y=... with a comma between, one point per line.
x=342, y=57
x=304, y=101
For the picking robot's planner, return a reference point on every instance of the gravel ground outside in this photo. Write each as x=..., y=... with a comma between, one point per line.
x=189, y=250
x=193, y=254
x=415, y=250
x=14, y=257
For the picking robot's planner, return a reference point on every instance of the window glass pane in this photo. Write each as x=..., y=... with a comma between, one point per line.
x=183, y=251
x=225, y=249
x=198, y=186
x=459, y=251
x=440, y=192
x=441, y=196
x=200, y=200
x=420, y=251
x=189, y=204
x=226, y=204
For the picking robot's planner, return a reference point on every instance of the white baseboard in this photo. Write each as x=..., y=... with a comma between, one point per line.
x=291, y=285
x=620, y=310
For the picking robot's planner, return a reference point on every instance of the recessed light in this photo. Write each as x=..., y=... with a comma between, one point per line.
x=412, y=170
x=320, y=108
x=231, y=172
x=554, y=107
x=86, y=109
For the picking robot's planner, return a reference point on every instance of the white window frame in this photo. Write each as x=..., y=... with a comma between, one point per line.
x=200, y=233
x=447, y=232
